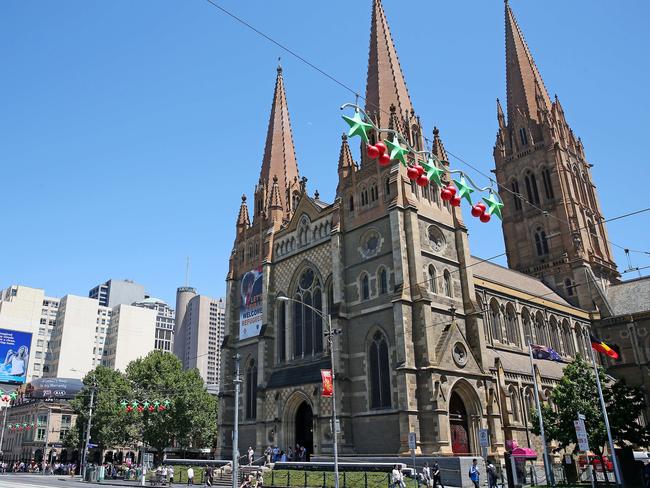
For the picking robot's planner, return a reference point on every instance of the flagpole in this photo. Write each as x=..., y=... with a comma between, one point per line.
x=617, y=472
x=547, y=462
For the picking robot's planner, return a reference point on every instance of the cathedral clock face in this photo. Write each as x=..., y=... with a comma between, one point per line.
x=370, y=244
x=436, y=238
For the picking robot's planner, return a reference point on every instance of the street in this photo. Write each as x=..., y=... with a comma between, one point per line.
x=35, y=480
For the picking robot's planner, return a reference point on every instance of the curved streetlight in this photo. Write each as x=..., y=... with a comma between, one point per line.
x=330, y=338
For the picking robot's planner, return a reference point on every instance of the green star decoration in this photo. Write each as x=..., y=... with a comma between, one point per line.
x=146, y=404
x=494, y=206
x=13, y=395
x=464, y=190
x=433, y=172
x=134, y=404
x=358, y=127
x=123, y=404
x=156, y=404
x=166, y=403
x=397, y=152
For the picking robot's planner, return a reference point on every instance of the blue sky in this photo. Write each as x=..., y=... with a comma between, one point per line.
x=129, y=130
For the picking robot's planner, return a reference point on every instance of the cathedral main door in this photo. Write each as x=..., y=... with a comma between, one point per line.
x=305, y=428
x=459, y=428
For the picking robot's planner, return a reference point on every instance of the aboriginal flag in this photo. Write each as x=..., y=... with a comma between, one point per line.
x=600, y=346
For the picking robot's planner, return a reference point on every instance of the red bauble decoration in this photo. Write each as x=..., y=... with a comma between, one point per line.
x=161, y=408
x=384, y=160
x=452, y=189
x=446, y=195
x=381, y=147
x=485, y=217
x=373, y=152
x=129, y=408
x=412, y=173
x=478, y=209
x=151, y=408
x=419, y=168
x=455, y=201
x=140, y=409
x=422, y=180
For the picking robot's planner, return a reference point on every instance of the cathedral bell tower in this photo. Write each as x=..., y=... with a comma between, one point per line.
x=554, y=231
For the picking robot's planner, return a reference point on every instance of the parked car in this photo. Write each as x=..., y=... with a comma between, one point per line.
x=595, y=462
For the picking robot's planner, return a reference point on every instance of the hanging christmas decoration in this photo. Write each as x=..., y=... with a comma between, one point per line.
x=423, y=167
x=145, y=406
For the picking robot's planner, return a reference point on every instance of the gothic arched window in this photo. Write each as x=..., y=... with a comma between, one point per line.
x=528, y=328
x=374, y=192
x=541, y=242
x=514, y=400
x=548, y=187
x=364, y=196
x=448, y=284
x=531, y=188
x=495, y=321
x=554, y=335
x=251, y=391
x=433, y=282
x=512, y=331
x=307, y=322
x=567, y=339
x=593, y=236
x=523, y=136
x=568, y=286
x=387, y=186
x=379, y=366
x=540, y=330
x=282, y=331
x=351, y=204
x=365, y=287
x=383, y=281
x=514, y=186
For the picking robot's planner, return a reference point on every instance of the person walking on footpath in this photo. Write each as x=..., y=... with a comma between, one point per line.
x=435, y=473
x=426, y=475
x=190, y=476
x=251, y=453
x=492, y=475
x=170, y=472
x=474, y=473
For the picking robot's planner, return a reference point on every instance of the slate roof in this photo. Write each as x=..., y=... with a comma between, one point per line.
x=514, y=279
x=630, y=297
x=298, y=375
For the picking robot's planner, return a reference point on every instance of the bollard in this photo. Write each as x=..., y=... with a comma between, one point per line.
x=365, y=479
x=305, y=479
x=272, y=478
x=289, y=478
x=324, y=482
x=343, y=479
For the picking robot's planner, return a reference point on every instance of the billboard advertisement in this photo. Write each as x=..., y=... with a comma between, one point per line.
x=14, y=352
x=250, y=308
x=53, y=388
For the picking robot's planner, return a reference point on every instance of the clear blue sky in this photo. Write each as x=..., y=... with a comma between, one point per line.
x=129, y=130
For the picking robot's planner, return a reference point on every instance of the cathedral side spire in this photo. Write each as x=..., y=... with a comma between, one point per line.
x=385, y=85
x=279, y=152
x=346, y=162
x=438, y=147
x=243, y=220
x=525, y=87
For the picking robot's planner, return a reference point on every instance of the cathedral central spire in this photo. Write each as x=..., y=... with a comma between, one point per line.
x=279, y=152
x=385, y=86
x=525, y=87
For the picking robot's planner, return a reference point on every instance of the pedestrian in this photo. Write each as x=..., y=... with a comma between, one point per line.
x=190, y=476
x=646, y=475
x=492, y=475
x=283, y=457
x=435, y=473
x=165, y=475
x=474, y=473
x=290, y=454
x=394, y=477
x=267, y=455
x=170, y=472
x=426, y=475
x=207, y=473
x=251, y=453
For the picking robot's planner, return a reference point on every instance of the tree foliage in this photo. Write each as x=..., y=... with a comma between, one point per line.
x=577, y=393
x=189, y=421
x=111, y=426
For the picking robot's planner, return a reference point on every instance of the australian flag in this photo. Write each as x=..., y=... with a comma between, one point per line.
x=545, y=352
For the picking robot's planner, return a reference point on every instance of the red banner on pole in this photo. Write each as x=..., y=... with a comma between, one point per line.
x=328, y=384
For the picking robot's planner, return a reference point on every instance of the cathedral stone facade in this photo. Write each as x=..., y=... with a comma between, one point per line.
x=434, y=340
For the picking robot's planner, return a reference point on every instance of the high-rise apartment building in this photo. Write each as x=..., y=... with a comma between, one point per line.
x=200, y=322
x=116, y=292
x=130, y=335
x=165, y=319
x=27, y=309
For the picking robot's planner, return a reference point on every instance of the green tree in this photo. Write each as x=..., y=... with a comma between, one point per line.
x=191, y=418
x=111, y=425
x=577, y=393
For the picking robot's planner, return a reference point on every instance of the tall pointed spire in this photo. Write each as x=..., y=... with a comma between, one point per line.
x=385, y=85
x=279, y=152
x=346, y=162
x=438, y=147
x=243, y=220
x=525, y=87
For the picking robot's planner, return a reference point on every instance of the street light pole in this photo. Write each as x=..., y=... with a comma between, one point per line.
x=235, y=432
x=4, y=425
x=84, y=459
x=330, y=338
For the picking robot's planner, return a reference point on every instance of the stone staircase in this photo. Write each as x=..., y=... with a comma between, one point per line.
x=223, y=476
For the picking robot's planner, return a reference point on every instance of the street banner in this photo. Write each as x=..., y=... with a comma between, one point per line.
x=328, y=383
x=250, y=308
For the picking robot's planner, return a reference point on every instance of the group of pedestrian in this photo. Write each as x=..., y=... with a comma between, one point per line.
x=475, y=474
x=431, y=475
x=273, y=454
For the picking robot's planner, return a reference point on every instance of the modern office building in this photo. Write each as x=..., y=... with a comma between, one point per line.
x=116, y=292
x=130, y=335
x=165, y=319
x=200, y=322
x=27, y=309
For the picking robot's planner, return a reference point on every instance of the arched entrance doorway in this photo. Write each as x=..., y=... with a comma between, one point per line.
x=459, y=425
x=305, y=428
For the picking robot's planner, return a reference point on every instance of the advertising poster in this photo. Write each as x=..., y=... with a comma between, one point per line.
x=250, y=308
x=14, y=353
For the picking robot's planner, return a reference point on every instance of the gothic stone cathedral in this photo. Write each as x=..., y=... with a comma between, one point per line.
x=434, y=340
